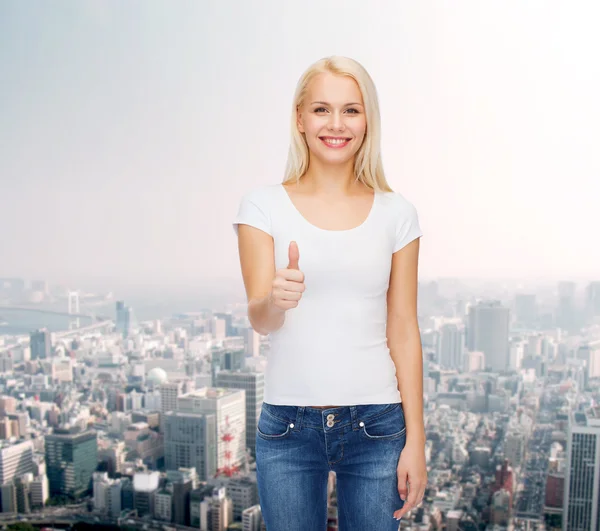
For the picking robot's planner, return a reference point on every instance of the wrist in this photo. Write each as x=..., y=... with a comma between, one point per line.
x=416, y=438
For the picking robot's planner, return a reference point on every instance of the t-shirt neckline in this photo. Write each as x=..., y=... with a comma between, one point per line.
x=332, y=231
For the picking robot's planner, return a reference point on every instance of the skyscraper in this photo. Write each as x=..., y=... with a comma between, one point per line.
x=124, y=319
x=451, y=346
x=191, y=441
x=582, y=475
x=592, y=299
x=40, y=344
x=71, y=459
x=488, y=332
x=254, y=385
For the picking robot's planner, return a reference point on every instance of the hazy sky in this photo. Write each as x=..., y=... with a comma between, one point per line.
x=130, y=130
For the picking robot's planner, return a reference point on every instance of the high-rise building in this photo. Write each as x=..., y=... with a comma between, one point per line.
x=71, y=459
x=582, y=474
x=226, y=359
x=169, y=392
x=243, y=493
x=15, y=460
x=488, y=332
x=191, y=441
x=124, y=318
x=229, y=408
x=41, y=344
x=567, y=316
x=145, y=486
x=253, y=383
x=592, y=299
x=451, y=346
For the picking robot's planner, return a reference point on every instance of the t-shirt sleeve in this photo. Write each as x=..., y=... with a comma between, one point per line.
x=407, y=228
x=253, y=211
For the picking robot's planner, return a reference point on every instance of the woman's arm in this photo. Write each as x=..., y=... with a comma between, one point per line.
x=257, y=260
x=404, y=342
x=404, y=339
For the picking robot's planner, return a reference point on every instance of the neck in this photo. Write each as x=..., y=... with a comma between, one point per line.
x=330, y=180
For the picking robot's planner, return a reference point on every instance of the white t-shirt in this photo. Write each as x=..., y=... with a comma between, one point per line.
x=332, y=348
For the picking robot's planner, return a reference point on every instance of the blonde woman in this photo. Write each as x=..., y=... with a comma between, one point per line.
x=329, y=259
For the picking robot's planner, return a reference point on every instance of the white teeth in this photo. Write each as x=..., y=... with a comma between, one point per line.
x=335, y=141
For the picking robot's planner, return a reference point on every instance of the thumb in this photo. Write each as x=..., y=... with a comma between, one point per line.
x=294, y=256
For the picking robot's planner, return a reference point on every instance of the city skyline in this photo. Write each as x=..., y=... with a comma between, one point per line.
x=115, y=118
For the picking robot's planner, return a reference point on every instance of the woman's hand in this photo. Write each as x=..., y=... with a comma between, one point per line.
x=288, y=284
x=412, y=470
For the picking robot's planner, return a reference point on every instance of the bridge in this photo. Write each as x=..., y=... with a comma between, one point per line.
x=52, y=312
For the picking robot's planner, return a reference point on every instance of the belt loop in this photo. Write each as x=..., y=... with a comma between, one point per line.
x=299, y=416
x=353, y=416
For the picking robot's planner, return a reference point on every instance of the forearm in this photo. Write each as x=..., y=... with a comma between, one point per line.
x=263, y=316
x=406, y=352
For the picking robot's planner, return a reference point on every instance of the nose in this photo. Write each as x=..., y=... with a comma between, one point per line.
x=336, y=123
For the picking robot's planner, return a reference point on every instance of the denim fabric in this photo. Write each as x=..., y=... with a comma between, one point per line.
x=296, y=447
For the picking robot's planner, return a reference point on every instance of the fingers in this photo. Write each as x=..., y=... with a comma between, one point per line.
x=415, y=497
x=291, y=274
x=402, y=486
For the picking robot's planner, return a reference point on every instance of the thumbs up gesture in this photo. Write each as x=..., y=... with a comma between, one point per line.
x=288, y=284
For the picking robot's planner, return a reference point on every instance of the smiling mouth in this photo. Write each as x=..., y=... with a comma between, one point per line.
x=336, y=142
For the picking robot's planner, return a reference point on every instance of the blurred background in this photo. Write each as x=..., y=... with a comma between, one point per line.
x=130, y=378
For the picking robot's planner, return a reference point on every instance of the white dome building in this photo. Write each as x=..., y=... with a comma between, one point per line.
x=156, y=377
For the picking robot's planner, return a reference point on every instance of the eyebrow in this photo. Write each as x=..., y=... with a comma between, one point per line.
x=325, y=103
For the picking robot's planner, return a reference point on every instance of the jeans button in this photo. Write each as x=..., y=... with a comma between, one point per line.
x=330, y=423
x=331, y=416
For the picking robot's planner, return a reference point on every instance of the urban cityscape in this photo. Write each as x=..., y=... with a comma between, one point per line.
x=110, y=421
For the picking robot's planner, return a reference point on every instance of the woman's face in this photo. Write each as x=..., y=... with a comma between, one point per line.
x=332, y=118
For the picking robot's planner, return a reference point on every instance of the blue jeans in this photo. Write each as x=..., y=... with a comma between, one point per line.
x=296, y=447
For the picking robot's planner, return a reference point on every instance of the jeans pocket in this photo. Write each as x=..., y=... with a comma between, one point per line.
x=270, y=427
x=387, y=426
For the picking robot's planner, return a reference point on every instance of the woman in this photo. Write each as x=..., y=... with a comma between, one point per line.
x=329, y=260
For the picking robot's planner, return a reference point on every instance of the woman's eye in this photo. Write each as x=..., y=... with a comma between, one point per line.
x=323, y=109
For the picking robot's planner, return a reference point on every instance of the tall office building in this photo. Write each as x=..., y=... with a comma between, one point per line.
x=451, y=346
x=191, y=441
x=582, y=475
x=171, y=391
x=229, y=408
x=592, y=299
x=41, y=344
x=226, y=359
x=488, y=332
x=567, y=315
x=254, y=385
x=15, y=460
x=71, y=459
x=124, y=318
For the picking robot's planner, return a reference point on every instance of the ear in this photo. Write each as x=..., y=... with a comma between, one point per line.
x=299, y=120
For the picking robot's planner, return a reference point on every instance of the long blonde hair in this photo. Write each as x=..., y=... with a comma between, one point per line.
x=368, y=167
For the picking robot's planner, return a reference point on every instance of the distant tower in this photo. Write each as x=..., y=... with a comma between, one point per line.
x=581, y=502
x=227, y=436
x=488, y=332
x=74, y=308
x=124, y=318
